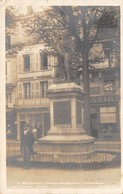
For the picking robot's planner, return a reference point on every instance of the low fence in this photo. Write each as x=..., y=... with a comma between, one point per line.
x=107, y=155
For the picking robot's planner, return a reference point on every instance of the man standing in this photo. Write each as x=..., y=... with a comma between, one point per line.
x=27, y=141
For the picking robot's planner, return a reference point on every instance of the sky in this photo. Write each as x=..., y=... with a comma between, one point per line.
x=22, y=5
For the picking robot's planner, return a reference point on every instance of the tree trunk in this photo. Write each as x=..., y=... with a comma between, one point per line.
x=86, y=87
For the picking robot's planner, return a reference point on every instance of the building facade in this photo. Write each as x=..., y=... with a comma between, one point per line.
x=29, y=74
x=105, y=90
x=11, y=83
x=35, y=73
x=105, y=103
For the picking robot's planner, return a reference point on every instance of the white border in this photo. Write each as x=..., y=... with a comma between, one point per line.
x=2, y=96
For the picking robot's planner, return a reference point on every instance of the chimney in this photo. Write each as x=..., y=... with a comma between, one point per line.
x=29, y=10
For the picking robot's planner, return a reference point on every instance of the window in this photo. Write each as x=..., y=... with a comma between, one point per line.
x=107, y=53
x=26, y=87
x=47, y=61
x=8, y=42
x=26, y=62
x=43, y=61
x=9, y=98
x=109, y=87
x=110, y=57
x=94, y=91
x=108, y=119
x=43, y=86
x=108, y=115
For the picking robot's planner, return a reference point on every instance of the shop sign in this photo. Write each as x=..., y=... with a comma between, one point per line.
x=107, y=98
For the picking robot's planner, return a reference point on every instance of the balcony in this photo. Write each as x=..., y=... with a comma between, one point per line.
x=32, y=102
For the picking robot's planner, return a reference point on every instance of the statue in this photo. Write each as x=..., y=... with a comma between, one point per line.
x=64, y=66
x=63, y=48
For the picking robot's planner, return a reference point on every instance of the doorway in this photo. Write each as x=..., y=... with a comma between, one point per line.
x=94, y=125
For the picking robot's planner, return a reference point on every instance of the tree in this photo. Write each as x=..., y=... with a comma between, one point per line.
x=11, y=19
x=68, y=24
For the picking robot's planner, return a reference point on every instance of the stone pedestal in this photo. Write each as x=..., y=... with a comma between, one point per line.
x=66, y=141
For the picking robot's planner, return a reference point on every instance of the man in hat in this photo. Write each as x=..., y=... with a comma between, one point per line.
x=27, y=141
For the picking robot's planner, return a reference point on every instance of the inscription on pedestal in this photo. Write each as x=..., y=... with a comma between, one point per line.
x=62, y=113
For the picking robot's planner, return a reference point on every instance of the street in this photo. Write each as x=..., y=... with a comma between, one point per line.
x=55, y=177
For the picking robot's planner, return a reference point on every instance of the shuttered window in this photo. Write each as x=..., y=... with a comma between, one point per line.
x=47, y=61
x=37, y=59
x=20, y=63
x=32, y=89
x=26, y=87
x=26, y=59
x=32, y=62
x=20, y=90
x=43, y=61
x=37, y=89
x=43, y=86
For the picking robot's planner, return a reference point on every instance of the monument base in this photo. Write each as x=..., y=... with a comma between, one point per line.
x=67, y=148
x=66, y=141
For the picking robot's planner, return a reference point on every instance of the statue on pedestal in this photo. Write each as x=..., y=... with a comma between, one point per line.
x=63, y=47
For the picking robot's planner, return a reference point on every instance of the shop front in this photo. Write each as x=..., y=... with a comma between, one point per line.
x=11, y=124
x=38, y=119
x=105, y=117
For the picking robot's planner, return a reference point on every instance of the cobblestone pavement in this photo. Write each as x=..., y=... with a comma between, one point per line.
x=46, y=177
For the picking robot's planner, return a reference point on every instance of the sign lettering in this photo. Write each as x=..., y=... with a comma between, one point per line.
x=109, y=98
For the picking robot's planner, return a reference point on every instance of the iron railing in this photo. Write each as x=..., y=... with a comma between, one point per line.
x=107, y=155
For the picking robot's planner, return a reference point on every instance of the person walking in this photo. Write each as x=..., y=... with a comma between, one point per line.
x=27, y=141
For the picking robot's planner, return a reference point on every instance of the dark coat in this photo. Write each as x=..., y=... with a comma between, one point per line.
x=27, y=140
